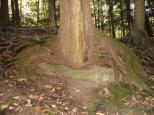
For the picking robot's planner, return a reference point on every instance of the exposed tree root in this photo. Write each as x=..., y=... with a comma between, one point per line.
x=110, y=53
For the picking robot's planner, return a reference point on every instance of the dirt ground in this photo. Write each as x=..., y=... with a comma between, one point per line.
x=58, y=95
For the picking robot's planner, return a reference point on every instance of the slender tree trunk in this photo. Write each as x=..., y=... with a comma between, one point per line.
x=139, y=14
x=95, y=19
x=20, y=8
x=52, y=15
x=148, y=26
x=111, y=18
x=13, y=11
x=122, y=18
x=129, y=17
x=0, y=14
x=102, y=17
x=38, y=11
x=17, y=16
x=98, y=18
x=4, y=14
x=76, y=32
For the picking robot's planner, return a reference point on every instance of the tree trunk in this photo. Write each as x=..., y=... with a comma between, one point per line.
x=122, y=18
x=111, y=18
x=102, y=17
x=13, y=11
x=52, y=15
x=20, y=8
x=129, y=17
x=17, y=17
x=95, y=19
x=76, y=32
x=148, y=26
x=139, y=14
x=0, y=14
x=4, y=14
x=38, y=11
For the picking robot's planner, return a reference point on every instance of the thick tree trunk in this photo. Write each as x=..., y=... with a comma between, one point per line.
x=4, y=14
x=76, y=32
x=52, y=15
x=139, y=21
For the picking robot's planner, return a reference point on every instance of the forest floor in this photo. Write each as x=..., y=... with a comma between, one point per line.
x=58, y=95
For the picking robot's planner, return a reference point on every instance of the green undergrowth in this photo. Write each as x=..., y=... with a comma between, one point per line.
x=23, y=58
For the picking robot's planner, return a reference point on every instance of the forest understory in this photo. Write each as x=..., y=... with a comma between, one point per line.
x=54, y=94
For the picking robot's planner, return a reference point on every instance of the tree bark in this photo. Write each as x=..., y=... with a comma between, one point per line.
x=38, y=11
x=122, y=18
x=129, y=17
x=139, y=21
x=52, y=15
x=110, y=2
x=0, y=14
x=148, y=26
x=4, y=14
x=17, y=16
x=76, y=32
x=95, y=19
x=13, y=11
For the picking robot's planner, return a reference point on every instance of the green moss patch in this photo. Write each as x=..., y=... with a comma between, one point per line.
x=131, y=62
x=118, y=93
x=96, y=73
x=23, y=58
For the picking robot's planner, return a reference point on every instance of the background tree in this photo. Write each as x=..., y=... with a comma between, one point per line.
x=38, y=11
x=128, y=12
x=17, y=16
x=111, y=17
x=122, y=17
x=15, y=12
x=0, y=14
x=4, y=14
x=52, y=14
x=139, y=21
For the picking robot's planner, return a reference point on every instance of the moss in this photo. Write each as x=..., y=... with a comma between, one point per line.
x=118, y=93
x=132, y=63
x=45, y=43
x=113, y=102
x=95, y=74
x=121, y=90
x=23, y=58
